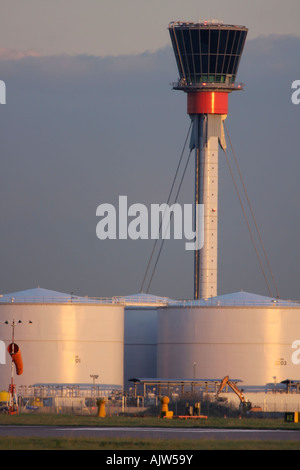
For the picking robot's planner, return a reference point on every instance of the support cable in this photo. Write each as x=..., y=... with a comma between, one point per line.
x=252, y=213
x=170, y=193
x=162, y=243
x=247, y=222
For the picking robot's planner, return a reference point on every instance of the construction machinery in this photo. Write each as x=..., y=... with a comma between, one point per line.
x=245, y=405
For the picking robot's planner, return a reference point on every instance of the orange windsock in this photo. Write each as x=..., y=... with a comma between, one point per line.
x=15, y=353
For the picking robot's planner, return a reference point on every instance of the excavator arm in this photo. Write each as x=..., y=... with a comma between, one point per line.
x=233, y=387
x=237, y=391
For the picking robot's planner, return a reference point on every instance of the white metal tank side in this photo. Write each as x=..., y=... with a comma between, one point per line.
x=66, y=342
x=252, y=343
x=140, y=343
x=140, y=336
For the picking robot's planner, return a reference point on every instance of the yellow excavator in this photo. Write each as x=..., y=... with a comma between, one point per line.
x=244, y=404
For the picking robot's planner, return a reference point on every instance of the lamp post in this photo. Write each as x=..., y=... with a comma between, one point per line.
x=94, y=377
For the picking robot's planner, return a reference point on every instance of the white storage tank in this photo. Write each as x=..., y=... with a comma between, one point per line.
x=140, y=335
x=70, y=338
x=249, y=337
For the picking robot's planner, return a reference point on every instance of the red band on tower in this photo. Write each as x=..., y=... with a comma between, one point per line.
x=207, y=102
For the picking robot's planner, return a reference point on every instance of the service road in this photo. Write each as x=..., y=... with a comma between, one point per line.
x=150, y=433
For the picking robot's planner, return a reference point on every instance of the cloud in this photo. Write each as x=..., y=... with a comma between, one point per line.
x=12, y=54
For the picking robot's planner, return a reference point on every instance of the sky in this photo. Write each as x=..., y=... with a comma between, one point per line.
x=90, y=115
x=117, y=27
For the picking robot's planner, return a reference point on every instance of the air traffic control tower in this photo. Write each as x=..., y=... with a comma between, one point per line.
x=208, y=56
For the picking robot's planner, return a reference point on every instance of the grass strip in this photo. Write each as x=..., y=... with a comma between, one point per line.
x=177, y=445
x=41, y=419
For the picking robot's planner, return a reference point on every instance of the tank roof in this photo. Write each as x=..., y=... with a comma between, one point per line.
x=40, y=295
x=143, y=299
x=241, y=298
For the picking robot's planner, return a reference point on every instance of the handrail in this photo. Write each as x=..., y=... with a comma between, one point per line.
x=183, y=85
x=149, y=300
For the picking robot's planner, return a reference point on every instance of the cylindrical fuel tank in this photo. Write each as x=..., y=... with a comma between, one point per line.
x=68, y=340
x=253, y=339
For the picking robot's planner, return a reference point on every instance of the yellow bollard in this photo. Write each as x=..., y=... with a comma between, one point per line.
x=197, y=409
x=101, y=408
x=4, y=397
x=37, y=402
x=165, y=413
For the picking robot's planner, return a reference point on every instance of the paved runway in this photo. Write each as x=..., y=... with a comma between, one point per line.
x=152, y=433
